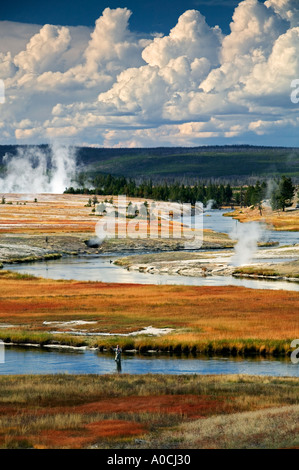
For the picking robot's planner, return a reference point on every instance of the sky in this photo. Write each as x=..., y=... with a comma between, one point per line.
x=149, y=73
x=148, y=16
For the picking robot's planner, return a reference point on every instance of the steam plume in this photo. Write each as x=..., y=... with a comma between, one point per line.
x=37, y=170
x=209, y=205
x=247, y=236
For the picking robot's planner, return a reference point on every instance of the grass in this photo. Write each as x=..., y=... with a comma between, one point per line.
x=263, y=429
x=288, y=270
x=277, y=220
x=55, y=214
x=32, y=259
x=111, y=411
x=61, y=224
x=6, y=274
x=221, y=320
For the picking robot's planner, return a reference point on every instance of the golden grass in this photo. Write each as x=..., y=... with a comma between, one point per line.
x=65, y=411
x=285, y=270
x=51, y=214
x=54, y=213
x=262, y=429
x=277, y=220
x=197, y=314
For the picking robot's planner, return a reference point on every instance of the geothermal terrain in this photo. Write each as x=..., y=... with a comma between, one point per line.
x=48, y=226
x=144, y=411
x=43, y=227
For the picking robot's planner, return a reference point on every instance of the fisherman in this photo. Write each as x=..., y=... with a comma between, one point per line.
x=117, y=353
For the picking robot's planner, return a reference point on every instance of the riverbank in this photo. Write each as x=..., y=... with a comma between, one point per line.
x=148, y=412
x=24, y=248
x=276, y=220
x=208, y=320
x=280, y=271
x=209, y=263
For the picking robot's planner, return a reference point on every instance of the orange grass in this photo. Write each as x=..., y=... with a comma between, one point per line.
x=53, y=213
x=191, y=406
x=200, y=313
x=78, y=438
x=279, y=220
x=63, y=214
x=92, y=432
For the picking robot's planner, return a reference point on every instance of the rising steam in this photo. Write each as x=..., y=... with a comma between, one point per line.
x=247, y=235
x=38, y=170
x=209, y=205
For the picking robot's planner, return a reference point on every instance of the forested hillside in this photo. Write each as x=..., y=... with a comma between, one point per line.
x=221, y=163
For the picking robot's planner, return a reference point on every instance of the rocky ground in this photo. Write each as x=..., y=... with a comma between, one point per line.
x=167, y=256
x=15, y=248
x=208, y=263
x=25, y=247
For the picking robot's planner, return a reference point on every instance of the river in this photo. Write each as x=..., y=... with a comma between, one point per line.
x=31, y=360
x=101, y=267
x=214, y=220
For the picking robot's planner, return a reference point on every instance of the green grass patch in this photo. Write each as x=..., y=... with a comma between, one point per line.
x=7, y=274
x=32, y=259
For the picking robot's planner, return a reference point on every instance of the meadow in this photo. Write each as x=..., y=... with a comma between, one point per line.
x=147, y=411
x=203, y=319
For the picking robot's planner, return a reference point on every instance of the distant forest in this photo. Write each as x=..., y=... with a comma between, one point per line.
x=280, y=193
x=234, y=164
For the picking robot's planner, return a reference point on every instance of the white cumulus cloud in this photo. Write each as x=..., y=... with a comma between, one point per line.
x=110, y=86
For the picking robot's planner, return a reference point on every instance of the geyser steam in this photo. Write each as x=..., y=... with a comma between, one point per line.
x=209, y=205
x=39, y=170
x=247, y=236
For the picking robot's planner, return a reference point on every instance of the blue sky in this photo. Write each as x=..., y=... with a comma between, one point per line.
x=150, y=73
x=148, y=15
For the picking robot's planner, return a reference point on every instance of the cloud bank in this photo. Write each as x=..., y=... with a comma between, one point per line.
x=109, y=86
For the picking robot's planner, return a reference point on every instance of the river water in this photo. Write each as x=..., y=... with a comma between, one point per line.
x=30, y=360
x=214, y=220
x=101, y=268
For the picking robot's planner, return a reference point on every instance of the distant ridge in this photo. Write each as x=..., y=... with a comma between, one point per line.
x=218, y=162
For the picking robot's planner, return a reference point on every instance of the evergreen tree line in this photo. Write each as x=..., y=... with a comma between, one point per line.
x=280, y=192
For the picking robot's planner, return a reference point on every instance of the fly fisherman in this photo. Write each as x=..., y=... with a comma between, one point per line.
x=117, y=353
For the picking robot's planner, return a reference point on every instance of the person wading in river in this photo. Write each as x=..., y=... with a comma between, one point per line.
x=117, y=353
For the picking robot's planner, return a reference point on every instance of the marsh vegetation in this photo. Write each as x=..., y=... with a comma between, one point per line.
x=65, y=411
